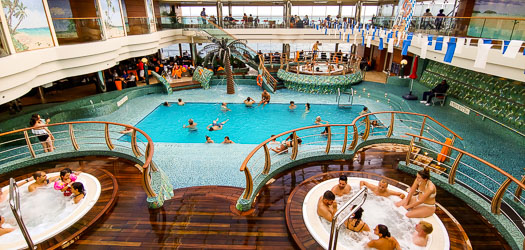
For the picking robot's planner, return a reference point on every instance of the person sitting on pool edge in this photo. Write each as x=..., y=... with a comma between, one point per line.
x=180, y=103
x=355, y=223
x=292, y=105
x=342, y=188
x=2, y=229
x=209, y=140
x=78, y=192
x=420, y=236
x=249, y=102
x=284, y=146
x=224, y=107
x=227, y=140
x=385, y=241
x=216, y=125
x=191, y=125
x=326, y=206
x=381, y=189
x=421, y=199
x=265, y=97
x=41, y=180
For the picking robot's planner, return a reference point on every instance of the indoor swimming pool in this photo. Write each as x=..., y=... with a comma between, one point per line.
x=245, y=125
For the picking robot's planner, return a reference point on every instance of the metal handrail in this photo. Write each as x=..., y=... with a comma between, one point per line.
x=14, y=203
x=334, y=230
x=147, y=152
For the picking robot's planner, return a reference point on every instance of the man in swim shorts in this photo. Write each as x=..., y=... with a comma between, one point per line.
x=326, y=206
x=215, y=125
x=342, y=188
x=381, y=189
x=41, y=180
x=191, y=125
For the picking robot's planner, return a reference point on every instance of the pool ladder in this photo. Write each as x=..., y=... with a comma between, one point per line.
x=334, y=231
x=350, y=97
x=14, y=202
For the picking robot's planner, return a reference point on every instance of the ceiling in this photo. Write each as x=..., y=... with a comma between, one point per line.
x=281, y=2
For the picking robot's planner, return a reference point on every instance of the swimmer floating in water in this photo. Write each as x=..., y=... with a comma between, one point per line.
x=224, y=107
x=216, y=125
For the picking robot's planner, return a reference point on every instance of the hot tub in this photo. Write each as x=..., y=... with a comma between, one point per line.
x=323, y=69
x=377, y=210
x=46, y=212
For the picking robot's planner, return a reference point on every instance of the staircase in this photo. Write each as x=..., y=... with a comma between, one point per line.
x=269, y=82
x=177, y=86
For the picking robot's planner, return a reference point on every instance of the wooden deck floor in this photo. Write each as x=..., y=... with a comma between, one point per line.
x=202, y=217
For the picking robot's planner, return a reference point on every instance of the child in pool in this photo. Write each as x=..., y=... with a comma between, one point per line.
x=64, y=183
x=78, y=192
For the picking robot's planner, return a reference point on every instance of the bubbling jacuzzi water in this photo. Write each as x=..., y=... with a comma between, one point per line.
x=40, y=210
x=377, y=210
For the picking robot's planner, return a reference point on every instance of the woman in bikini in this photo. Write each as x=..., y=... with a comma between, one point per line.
x=42, y=132
x=421, y=199
x=355, y=223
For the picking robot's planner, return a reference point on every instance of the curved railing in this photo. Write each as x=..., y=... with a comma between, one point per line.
x=340, y=137
x=19, y=146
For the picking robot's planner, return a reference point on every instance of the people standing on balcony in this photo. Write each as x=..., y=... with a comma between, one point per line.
x=203, y=15
x=245, y=20
x=256, y=21
x=141, y=71
x=212, y=19
x=315, y=48
x=427, y=19
x=439, y=20
x=250, y=21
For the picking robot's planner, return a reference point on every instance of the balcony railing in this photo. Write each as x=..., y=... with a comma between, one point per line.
x=137, y=25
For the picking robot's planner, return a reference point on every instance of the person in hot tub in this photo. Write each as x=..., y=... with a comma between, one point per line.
x=41, y=180
x=420, y=236
x=326, y=206
x=342, y=188
x=64, y=183
x=2, y=229
x=381, y=189
x=385, y=241
x=78, y=192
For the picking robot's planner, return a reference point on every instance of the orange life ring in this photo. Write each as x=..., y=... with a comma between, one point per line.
x=444, y=151
x=200, y=71
x=259, y=80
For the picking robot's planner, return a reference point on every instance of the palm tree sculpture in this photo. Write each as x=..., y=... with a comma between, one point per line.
x=223, y=49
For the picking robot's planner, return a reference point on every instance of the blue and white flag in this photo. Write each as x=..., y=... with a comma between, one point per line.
x=482, y=56
x=348, y=38
x=326, y=31
x=317, y=26
x=339, y=35
x=513, y=49
x=380, y=43
x=430, y=37
x=424, y=47
x=439, y=43
x=363, y=38
x=505, y=45
x=406, y=44
x=451, y=47
x=389, y=37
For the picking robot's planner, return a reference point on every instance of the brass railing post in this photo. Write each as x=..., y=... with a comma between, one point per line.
x=249, y=184
x=134, y=146
x=355, y=139
x=72, y=137
x=107, y=138
x=146, y=183
x=267, y=160
x=422, y=127
x=495, y=205
x=345, y=140
x=409, y=153
x=328, y=140
x=454, y=168
x=517, y=194
x=367, y=128
x=295, y=146
x=391, y=128
x=29, y=146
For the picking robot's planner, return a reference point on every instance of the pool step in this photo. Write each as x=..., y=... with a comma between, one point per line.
x=185, y=85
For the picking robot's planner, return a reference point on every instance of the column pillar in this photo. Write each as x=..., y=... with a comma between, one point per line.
x=340, y=12
x=358, y=11
x=287, y=13
x=219, y=13
x=41, y=94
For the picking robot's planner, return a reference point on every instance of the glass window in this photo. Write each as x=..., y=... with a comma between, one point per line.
x=332, y=10
x=318, y=12
x=348, y=11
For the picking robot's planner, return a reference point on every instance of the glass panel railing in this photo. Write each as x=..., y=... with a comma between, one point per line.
x=168, y=23
x=77, y=30
x=137, y=25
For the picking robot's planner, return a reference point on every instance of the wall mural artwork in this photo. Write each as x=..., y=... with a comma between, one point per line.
x=27, y=24
x=112, y=18
x=498, y=29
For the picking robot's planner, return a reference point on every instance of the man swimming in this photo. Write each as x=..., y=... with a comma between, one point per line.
x=215, y=125
x=326, y=207
x=292, y=105
x=342, y=188
x=41, y=180
x=191, y=125
x=381, y=189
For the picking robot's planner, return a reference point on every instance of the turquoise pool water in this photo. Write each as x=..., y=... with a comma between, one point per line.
x=246, y=125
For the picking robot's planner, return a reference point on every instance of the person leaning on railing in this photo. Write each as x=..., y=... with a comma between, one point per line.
x=42, y=132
